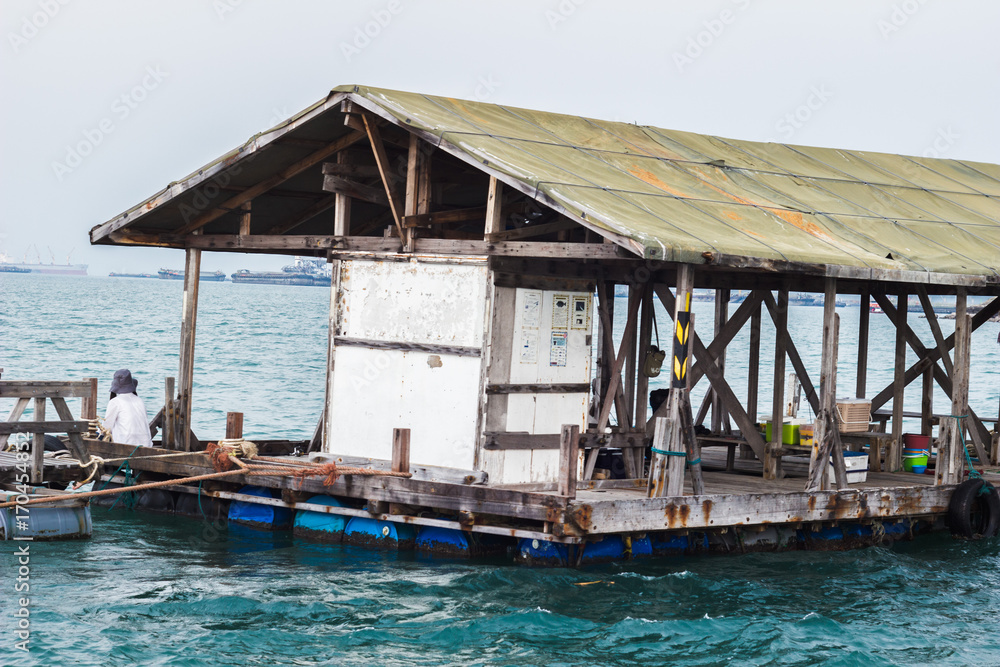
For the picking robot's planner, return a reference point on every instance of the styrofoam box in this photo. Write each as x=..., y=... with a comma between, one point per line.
x=856, y=464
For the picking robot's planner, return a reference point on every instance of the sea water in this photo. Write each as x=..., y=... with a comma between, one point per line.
x=160, y=590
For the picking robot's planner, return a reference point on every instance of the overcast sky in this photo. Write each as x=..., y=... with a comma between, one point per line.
x=106, y=102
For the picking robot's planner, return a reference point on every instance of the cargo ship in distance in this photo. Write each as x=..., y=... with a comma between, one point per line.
x=174, y=274
x=48, y=269
x=313, y=272
x=131, y=275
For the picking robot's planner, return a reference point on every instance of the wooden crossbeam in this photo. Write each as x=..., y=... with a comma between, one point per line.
x=827, y=443
x=351, y=188
x=529, y=231
x=616, y=368
x=263, y=186
x=747, y=427
x=793, y=356
x=44, y=389
x=65, y=426
x=914, y=371
x=445, y=217
x=978, y=431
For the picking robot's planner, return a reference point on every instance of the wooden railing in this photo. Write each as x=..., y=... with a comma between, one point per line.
x=57, y=392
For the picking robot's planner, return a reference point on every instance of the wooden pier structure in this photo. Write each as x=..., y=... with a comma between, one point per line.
x=476, y=252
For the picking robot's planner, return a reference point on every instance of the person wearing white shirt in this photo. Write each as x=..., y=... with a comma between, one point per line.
x=126, y=414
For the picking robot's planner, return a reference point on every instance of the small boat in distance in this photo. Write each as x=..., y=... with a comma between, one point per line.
x=174, y=274
x=130, y=275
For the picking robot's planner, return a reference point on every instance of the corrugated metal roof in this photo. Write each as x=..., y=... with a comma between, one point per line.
x=667, y=195
x=679, y=195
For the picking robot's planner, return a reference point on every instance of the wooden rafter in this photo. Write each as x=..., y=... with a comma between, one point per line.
x=385, y=170
x=260, y=188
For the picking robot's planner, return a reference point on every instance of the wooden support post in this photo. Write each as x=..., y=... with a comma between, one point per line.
x=827, y=436
x=691, y=443
x=88, y=404
x=772, y=455
x=494, y=210
x=38, y=444
x=863, y=320
x=234, y=425
x=569, y=459
x=629, y=379
x=401, y=450
x=192, y=274
x=894, y=457
x=414, y=165
x=245, y=219
x=720, y=419
x=342, y=206
x=642, y=381
x=927, y=401
x=666, y=477
x=954, y=462
x=753, y=374
x=168, y=438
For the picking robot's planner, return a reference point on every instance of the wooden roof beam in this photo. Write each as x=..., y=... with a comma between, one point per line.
x=306, y=215
x=382, y=161
x=276, y=179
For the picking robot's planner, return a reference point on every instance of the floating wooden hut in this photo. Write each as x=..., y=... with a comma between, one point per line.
x=476, y=250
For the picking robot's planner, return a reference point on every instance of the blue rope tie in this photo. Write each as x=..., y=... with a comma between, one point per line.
x=973, y=473
x=666, y=453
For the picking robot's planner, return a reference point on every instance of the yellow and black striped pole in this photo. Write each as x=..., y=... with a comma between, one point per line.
x=682, y=330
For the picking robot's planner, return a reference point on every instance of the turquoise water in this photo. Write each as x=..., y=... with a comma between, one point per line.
x=156, y=590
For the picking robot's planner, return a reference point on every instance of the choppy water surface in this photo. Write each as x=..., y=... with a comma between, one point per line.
x=153, y=590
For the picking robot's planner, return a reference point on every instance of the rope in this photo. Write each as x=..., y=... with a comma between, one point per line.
x=330, y=470
x=664, y=452
x=111, y=492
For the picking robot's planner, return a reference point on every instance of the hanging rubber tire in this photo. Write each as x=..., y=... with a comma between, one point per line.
x=973, y=515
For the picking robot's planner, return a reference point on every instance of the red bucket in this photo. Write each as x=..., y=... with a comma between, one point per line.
x=915, y=441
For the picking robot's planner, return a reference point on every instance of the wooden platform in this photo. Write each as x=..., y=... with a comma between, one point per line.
x=732, y=499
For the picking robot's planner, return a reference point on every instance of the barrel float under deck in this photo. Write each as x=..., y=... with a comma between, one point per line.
x=379, y=534
x=320, y=526
x=258, y=515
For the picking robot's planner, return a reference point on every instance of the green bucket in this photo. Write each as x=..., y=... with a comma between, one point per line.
x=910, y=460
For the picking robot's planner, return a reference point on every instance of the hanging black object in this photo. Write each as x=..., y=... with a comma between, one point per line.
x=653, y=362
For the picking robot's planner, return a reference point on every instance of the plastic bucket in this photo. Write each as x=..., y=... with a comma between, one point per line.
x=909, y=461
x=916, y=441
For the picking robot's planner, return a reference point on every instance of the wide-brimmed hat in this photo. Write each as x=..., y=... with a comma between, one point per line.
x=123, y=383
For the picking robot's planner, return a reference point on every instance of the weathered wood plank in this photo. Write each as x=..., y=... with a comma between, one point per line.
x=401, y=450
x=189, y=317
x=44, y=389
x=42, y=427
x=772, y=459
x=569, y=459
x=76, y=446
x=19, y=407
x=500, y=441
x=37, y=441
x=714, y=511
x=569, y=388
x=385, y=170
x=455, y=350
x=445, y=217
x=864, y=316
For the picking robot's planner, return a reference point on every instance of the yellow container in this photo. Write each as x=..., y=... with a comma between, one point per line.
x=806, y=435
